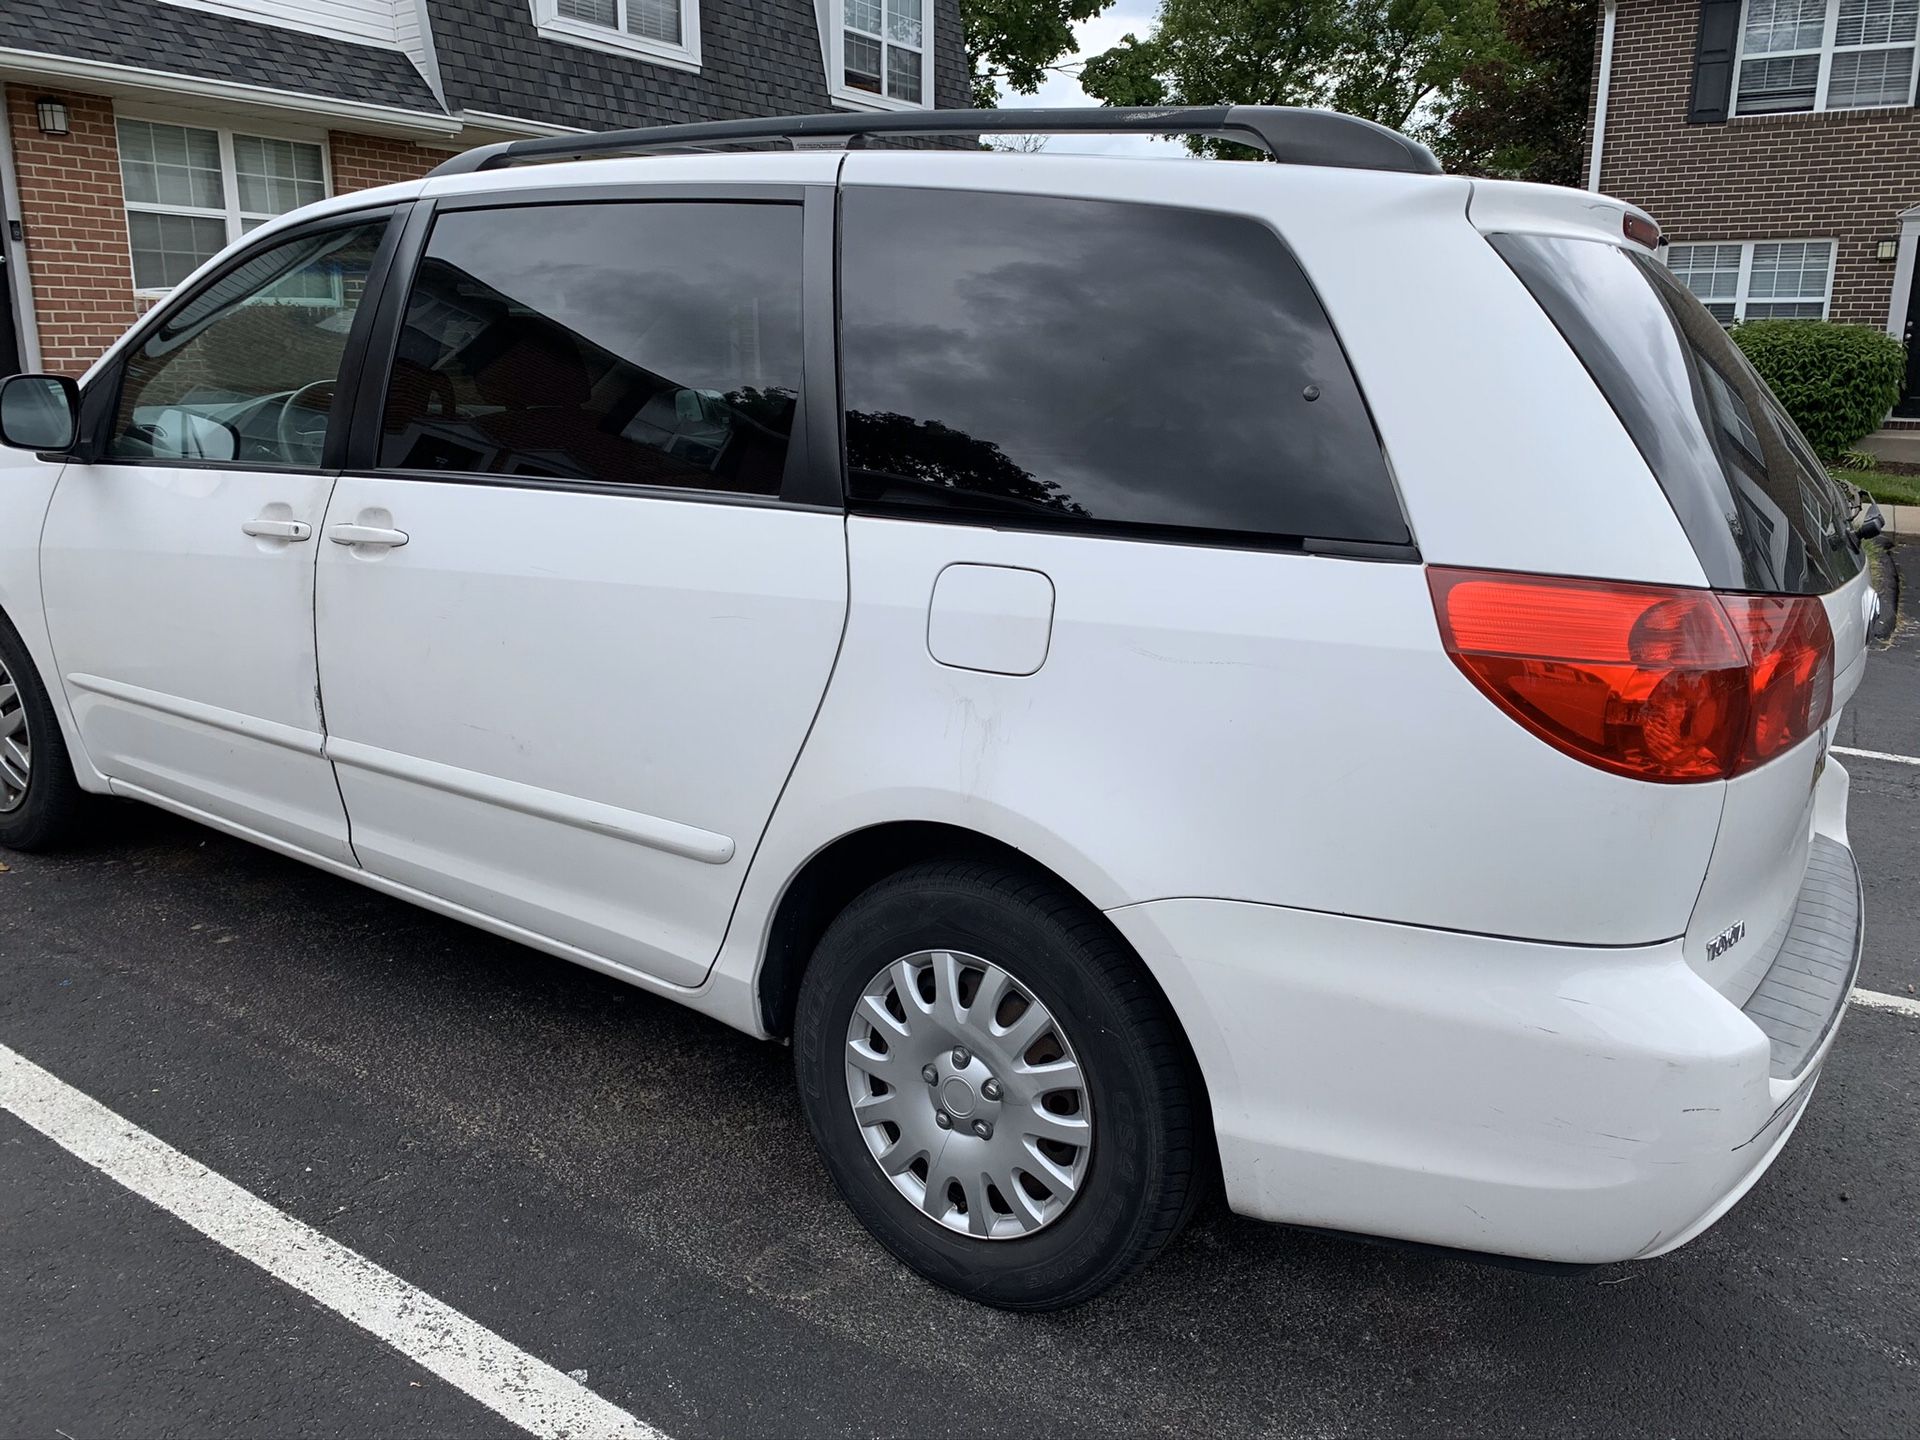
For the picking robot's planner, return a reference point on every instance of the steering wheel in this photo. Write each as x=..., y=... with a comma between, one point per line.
x=301, y=425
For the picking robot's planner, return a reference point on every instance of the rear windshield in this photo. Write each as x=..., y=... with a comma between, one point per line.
x=1761, y=511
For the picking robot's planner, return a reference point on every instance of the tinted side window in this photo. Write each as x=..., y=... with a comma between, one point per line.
x=1757, y=506
x=1098, y=363
x=246, y=370
x=646, y=343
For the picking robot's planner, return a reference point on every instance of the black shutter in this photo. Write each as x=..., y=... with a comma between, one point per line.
x=1713, y=61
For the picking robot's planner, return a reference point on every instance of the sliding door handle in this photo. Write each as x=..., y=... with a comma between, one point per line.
x=264, y=529
x=373, y=536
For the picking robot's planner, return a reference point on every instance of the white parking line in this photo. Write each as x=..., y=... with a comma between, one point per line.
x=1879, y=1000
x=1877, y=755
x=468, y=1356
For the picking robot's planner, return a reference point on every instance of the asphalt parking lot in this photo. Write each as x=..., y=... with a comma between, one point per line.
x=627, y=1192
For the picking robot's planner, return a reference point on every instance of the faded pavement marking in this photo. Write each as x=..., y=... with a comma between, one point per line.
x=513, y=1384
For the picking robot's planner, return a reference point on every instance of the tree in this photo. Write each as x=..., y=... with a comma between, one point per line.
x=1394, y=61
x=1522, y=111
x=1019, y=40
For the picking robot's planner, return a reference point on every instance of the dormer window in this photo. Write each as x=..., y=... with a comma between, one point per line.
x=880, y=53
x=666, y=31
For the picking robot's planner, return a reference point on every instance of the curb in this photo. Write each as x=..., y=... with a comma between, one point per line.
x=1886, y=584
x=1901, y=519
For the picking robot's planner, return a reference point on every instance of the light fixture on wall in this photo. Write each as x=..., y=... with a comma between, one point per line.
x=53, y=116
x=1887, y=250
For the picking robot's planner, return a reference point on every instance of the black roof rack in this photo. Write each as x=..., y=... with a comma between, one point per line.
x=1294, y=136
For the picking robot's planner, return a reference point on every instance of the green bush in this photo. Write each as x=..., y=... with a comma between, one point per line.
x=1837, y=381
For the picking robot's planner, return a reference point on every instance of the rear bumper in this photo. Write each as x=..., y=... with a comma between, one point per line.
x=1555, y=1103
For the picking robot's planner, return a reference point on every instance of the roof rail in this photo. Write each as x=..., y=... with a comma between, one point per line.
x=1294, y=136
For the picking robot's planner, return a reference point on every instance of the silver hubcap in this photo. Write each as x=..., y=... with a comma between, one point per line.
x=968, y=1095
x=16, y=746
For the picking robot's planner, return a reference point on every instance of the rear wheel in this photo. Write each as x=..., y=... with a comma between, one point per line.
x=40, y=802
x=999, y=1091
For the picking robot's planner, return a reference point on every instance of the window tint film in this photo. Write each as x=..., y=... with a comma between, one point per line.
x=246, y=370
x=652, y=343
x=1760, y=510
x=1098, y=364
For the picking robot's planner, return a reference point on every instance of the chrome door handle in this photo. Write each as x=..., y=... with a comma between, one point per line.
x=278, y=529
x=373, y=535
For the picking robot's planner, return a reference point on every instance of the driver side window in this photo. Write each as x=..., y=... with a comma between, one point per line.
x=245, y=371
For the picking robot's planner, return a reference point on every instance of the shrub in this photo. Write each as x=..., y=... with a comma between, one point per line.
x=1837, y=381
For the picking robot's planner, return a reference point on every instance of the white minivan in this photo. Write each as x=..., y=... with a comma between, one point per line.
x=1316, y=676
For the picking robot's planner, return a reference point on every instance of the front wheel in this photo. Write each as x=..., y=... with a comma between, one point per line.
x=1000, y=1092
x=40, y=802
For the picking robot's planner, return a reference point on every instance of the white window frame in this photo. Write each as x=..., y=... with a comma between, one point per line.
x=833, y=46
x=552, y=25
x=1740, y=295
x=232, y=214
x=1826, y=51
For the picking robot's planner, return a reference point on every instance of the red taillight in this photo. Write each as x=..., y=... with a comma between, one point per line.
x=1640, y=230
x=1643, y=680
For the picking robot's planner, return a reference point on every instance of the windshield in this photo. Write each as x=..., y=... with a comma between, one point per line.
x=1760, y=509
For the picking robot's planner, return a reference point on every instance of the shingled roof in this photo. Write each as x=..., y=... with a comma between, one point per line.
x=206, y=46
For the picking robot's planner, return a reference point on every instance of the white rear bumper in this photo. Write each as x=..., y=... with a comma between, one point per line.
x=1551, y=1102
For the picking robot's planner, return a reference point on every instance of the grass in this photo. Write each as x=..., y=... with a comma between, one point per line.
x=1885, y=486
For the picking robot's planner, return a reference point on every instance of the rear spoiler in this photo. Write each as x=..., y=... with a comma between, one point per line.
x=1514, y=207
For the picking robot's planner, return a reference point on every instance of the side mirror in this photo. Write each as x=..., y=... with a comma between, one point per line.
x=1868, y=521
x=39, y=412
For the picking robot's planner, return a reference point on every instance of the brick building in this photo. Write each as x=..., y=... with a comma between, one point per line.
x=138, y=137
x=1778, y=145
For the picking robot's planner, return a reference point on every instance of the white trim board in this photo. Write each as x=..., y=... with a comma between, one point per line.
x=19, y=277
x=360, y=22
x=1903, y=273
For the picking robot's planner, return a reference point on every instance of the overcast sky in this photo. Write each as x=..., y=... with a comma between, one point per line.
x=1101, y=33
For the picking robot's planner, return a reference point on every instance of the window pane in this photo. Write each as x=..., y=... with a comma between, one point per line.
x=655, y=19
x=863, y=15
x=1787, y=310
x=1778, y=84
x=903, y=21
x=1789, y=270
x=903, y=73
x=1097, y=363
x=275, y=176
x=1870, y=77
x=631, y=344
x=245, y=370
x=1876, y=22
x=863, y=63
x=594, y=12
x=168, y=248
x=1710, y=271
x=1784, y=25
x=170, y=165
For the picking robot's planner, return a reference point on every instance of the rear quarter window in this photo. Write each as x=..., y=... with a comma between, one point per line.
x=1759, y=508
x=1098, y=365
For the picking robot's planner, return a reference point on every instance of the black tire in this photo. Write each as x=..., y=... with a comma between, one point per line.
x=55, y=808
x=1146, y=1166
